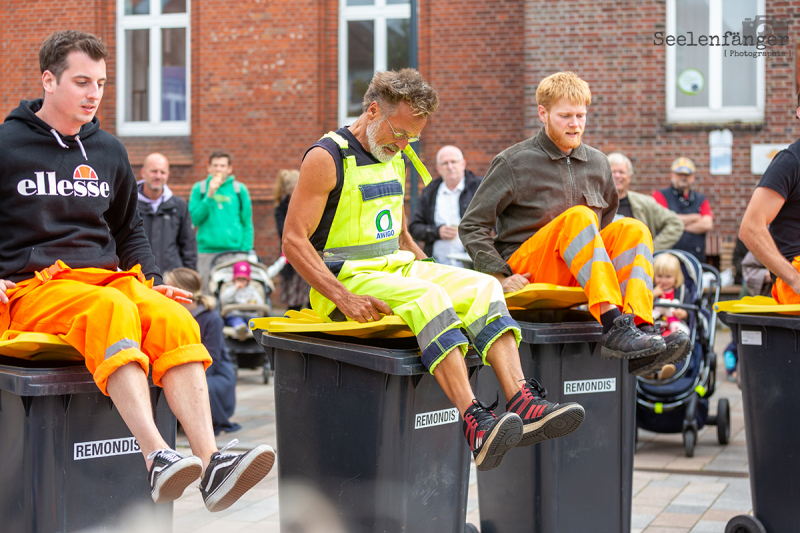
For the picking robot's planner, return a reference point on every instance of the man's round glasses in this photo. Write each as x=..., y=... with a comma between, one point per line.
x=397, y=136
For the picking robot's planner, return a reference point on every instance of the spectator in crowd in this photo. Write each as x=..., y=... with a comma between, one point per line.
x=552, y=200
x=76, y=263
x=442, y=204
x=222, y=212
x=346, y=234
x=243, y=292
x=221, y=376
x=664, y=225
x=294, y=289
x=692, y=208
x=166, y=219
x=771, y=224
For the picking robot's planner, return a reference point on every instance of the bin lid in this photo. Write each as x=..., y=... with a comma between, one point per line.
x=756, y=305
x=546, y=296
x=397, y=361
x=51, y=381
x=788, y=322
x=306, y=321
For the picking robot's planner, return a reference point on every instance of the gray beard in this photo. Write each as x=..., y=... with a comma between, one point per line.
x=377, y=151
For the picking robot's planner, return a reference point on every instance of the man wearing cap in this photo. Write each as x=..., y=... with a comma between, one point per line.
x=692, y=208
x=771, y=225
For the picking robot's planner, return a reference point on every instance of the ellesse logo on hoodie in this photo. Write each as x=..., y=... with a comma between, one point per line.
x=84, y=183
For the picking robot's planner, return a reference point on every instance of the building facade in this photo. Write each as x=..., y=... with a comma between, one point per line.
x=265, y=79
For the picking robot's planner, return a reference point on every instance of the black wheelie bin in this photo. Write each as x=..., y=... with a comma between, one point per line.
x=362, y=423
x=769, y=366
x=68, y=462
x=581, y=482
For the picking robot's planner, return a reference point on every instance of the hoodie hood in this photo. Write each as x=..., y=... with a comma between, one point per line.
x=26, y=113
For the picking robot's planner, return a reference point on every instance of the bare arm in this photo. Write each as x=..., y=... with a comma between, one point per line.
x=762, y=210
x=317, y=180
x=406, y=241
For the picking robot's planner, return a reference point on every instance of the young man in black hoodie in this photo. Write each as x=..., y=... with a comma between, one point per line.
x=75, y=262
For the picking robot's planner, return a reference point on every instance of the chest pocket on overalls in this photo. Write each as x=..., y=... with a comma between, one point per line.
x=381, y=210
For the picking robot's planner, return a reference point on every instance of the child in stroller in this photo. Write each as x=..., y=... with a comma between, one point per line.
x=246, y=352
x=680, y=404
x=669, y=287
x=244, y=293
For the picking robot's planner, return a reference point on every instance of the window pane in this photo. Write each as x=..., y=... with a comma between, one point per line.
x=360, y=62
x=137, y=64
x=691, y=62
x=173, y=6
x=137, y=7
x=360, y=2
x=738, y=73
x=397, y=43
x=397, y=1
x=173, y=74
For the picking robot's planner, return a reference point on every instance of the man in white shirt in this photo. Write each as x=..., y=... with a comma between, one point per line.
x=441, y=206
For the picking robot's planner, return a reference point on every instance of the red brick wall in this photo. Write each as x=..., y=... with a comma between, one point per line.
x=472, y=52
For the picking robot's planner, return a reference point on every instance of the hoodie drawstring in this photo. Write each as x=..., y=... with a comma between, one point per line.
x=80, y=145
x=62, y=145
x=58, y=138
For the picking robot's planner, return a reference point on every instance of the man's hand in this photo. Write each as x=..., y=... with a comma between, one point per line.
x=214, y=184
x=174, y=293
x=447, y=233
x=363, y=308
x=4, y=286
x=514, y=282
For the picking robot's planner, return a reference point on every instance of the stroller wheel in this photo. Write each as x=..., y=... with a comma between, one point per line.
x=689, y=440
x=265, y=372
x=745, y=524
x=723, y=421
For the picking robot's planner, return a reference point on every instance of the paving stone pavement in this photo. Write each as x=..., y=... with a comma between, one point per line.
x=671, y=493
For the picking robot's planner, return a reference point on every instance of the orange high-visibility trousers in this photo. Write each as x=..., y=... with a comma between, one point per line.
x=111, y=318
x=613, y=265
x=782, y=292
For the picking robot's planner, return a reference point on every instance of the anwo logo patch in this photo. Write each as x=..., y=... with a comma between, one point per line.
x=383, y=222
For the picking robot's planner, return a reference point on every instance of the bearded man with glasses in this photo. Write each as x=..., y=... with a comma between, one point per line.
x=346, y=234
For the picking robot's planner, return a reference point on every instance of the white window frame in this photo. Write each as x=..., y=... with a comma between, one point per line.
x=155, y=23
x=379, y=12
x=715, y=112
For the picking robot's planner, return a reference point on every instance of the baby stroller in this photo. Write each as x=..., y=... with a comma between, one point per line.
x=246, y=353
x=680, y=404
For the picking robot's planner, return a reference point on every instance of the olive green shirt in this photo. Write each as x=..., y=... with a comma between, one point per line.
x=526, y=187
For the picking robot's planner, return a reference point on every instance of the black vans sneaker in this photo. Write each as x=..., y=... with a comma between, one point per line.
x=228, y=476
x=625, y=341
x=170, y=473
x=541, y=419
x=677, y=348
x=490, y=437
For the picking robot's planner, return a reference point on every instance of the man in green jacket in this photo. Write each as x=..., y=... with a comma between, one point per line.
x=664, y=224
x=221, y=211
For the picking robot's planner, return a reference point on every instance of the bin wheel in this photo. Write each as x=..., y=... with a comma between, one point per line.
x=723, y=421
x=469, y=528
x=266, y=372
x=689, y=440
x=745, y=524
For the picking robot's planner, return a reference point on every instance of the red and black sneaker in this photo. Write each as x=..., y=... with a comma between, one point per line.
x=542, y=419
x=490, y=437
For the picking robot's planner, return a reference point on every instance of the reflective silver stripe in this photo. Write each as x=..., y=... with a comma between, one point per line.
x=120, y=345
x=637, y=272
x=628, y=256
x=585, y=272
x=495, y=308
x=583, y=238
x=436, y=326
x=364, y=251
